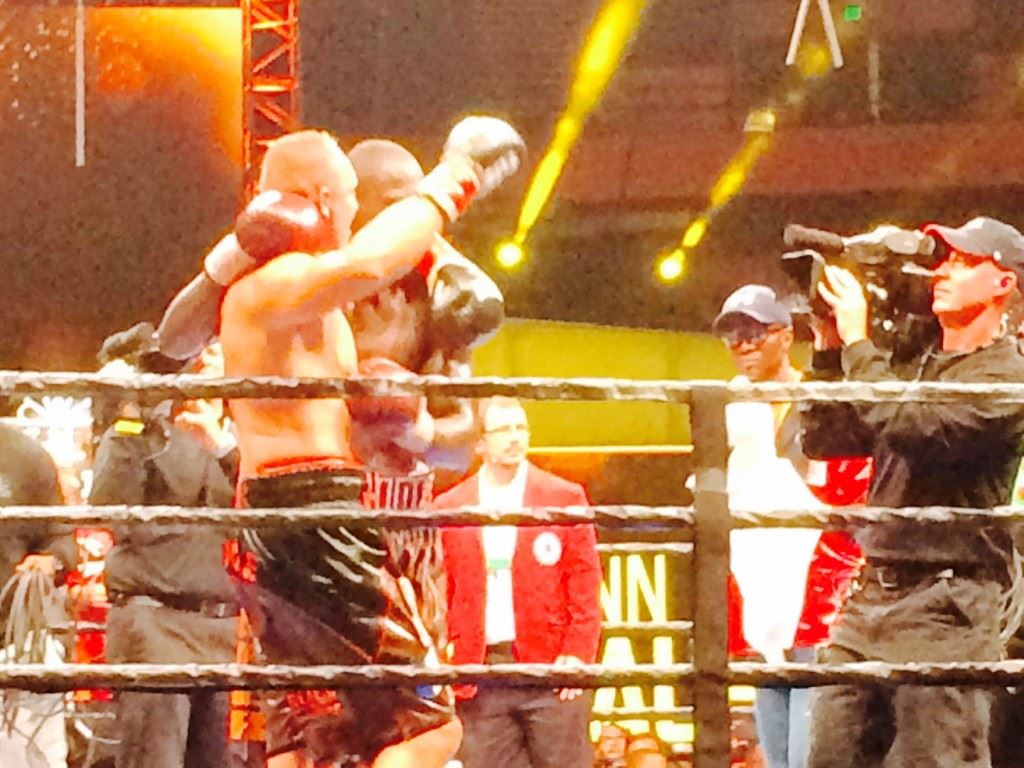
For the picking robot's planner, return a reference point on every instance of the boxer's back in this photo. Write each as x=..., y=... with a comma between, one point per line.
x=262, y=337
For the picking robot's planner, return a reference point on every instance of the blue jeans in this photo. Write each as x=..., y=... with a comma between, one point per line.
x=783, y=720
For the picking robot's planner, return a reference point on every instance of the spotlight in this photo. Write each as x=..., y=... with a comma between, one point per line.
x=760, y=121
x=509, y=254
x=813, y=60
x=671, y=266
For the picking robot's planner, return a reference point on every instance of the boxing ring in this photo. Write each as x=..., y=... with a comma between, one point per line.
x=707, y=676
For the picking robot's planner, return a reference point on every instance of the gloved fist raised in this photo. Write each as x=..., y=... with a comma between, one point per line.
x=494, y=147
x=275, y=223
x=479, y=154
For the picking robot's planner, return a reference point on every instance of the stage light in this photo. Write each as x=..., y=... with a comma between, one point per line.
x=671, y=266
x=613, y=28
x=168, y=47
x=695, y=232
x=760, y=121
x=509, y=254
x=813, y=60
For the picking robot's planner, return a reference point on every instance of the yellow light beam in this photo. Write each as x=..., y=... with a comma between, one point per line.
x=735, y=174
x=610, y=33
x=695, y=232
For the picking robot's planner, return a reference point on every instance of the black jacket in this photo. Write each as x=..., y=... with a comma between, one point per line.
x=28, y=477
x=163, y=466
x=926, y=454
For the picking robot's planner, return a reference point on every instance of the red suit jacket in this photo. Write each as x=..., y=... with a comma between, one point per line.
x=556, y=578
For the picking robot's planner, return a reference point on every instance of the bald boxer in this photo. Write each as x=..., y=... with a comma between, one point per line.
x=337, y=595
x=462, y=308
x=425, y=322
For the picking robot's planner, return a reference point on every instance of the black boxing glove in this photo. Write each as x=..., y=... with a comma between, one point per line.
x=275, y=223
x=480, y=153
x=466, y=306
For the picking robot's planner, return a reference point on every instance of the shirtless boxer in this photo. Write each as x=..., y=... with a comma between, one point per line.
x=463, y=308
x=342, y=596
x=427, y=323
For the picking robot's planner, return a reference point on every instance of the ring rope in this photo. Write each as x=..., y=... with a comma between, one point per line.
x=645, y=548
x=612, y=515
x=840, y=517
x=188, y=677
x=155, y=387
x=625, y=516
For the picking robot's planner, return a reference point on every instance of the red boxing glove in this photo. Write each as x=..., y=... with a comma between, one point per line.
x=275, y=223
x=406, y=407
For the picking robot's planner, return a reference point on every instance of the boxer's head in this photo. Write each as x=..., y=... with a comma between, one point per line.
x=311, y=164
x=387, y=173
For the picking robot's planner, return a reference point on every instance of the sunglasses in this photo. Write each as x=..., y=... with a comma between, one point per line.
x=753, y=334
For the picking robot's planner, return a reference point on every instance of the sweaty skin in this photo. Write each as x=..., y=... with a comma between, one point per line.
x=283, y=320
x=389, y=324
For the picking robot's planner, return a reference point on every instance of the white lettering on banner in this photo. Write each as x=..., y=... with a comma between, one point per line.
x=635, y=588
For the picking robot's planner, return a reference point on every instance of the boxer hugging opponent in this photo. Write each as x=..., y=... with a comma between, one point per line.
x=360, y=595
x=427, y=323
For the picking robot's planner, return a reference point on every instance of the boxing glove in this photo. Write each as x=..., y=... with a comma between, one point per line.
x=368, y=409
x=227, y=262
x=275, y=223
x=479, y=154
x=466, y=307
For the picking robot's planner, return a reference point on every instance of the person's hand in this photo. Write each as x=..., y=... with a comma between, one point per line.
x=203, y=419
x=568, y=694
x=44, y=564
x=845, y=295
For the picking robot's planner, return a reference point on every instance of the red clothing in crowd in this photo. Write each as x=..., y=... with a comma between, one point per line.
x=837, y=560
x=556, y=578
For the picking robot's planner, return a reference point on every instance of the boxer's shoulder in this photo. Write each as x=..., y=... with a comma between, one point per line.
x=264, y=283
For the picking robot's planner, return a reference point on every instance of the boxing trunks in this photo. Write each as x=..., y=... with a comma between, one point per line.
x=359, y=595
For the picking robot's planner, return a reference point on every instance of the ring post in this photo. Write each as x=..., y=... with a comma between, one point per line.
x=710, y=583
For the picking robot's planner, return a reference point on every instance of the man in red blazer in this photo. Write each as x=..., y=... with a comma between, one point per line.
x=520, y=593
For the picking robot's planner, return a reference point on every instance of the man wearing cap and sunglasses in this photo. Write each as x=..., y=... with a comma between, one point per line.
x=788, y=584
x=928, y=594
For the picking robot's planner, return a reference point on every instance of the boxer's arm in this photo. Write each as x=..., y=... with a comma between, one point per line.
x=480, y=153
x=454, y=418
x=381, y=252
x=190, y=321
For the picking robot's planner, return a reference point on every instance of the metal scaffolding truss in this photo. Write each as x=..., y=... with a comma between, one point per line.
x=270, y=77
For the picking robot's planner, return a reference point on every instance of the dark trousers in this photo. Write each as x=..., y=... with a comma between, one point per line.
x=170, y=730
x=932, y=621
x=524, y=728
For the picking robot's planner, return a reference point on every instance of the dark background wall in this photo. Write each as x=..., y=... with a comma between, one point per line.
x=84, y=252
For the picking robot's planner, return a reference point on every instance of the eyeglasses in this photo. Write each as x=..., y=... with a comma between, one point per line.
x=507, y=429
x=753, y=334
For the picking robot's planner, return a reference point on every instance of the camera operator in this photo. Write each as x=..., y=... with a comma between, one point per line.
x=929, y=593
